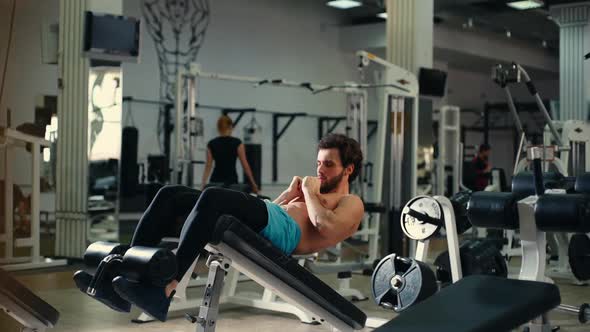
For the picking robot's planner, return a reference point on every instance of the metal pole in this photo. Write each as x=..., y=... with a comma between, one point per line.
x=541, y=105
x=522, y=139
x=512, y=108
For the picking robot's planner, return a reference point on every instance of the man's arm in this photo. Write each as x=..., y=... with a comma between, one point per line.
x=292, y=192
x=339, y=223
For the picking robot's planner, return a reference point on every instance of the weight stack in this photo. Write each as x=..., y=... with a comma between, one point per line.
x=129, y=168
x=254, y=157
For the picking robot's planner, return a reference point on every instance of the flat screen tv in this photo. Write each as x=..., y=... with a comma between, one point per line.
x=111, y=37
x=432, y=82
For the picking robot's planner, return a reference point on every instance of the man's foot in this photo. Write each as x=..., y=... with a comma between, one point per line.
x=151, y=299
x=104, y=292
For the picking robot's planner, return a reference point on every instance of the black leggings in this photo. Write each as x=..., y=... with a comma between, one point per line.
x=203, y=210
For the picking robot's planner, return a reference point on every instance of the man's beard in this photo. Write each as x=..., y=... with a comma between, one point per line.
x=330, y=185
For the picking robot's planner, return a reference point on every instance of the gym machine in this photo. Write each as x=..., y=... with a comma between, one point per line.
x=542, y=210
x=400, y=283
x=9, y=140
x=397, y=124
x=566, y=150
x=449, y=160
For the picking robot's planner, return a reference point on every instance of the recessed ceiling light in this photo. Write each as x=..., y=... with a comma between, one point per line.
x=343, y=4
x=524, y=5
x=382, y=15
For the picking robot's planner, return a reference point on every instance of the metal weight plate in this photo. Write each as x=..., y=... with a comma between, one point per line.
x=421, y=218
x=579, y=256
x=398, y=283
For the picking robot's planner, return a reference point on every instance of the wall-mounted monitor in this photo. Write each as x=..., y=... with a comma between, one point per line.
x=112, y=37
x=432, y=82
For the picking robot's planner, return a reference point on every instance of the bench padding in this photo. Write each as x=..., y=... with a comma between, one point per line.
x=493, y=210
x=563, y=213
x=239, y=237
x=478, y=303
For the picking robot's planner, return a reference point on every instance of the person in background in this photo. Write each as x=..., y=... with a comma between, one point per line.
x=482, y=167
x=223, y=151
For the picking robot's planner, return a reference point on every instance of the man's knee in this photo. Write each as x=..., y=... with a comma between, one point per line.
x=212, y=197
x=170, y=190
x=212, y=193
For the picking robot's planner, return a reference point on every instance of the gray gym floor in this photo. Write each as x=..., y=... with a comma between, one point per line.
x=80, y=313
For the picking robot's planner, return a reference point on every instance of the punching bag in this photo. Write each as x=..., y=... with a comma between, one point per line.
x=254, y=157
x=129, y=167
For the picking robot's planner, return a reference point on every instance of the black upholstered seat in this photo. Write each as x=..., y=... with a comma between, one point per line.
x=478, y=303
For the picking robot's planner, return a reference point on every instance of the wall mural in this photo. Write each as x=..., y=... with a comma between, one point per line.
x=178, y=29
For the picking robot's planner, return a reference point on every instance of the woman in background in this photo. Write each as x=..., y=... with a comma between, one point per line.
x=224, y=150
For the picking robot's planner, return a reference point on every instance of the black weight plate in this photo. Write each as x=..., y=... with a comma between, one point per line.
x=579, y=256
x=398, y=283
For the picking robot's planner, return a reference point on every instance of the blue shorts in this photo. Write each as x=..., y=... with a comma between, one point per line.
x=281, y=230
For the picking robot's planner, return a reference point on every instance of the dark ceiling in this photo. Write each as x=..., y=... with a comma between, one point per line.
x=495, y=16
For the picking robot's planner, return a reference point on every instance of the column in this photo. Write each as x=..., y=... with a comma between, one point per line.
x=574, y=72
x=72, y=144
x=409, y=45
x=409, y=33
x=72, y=114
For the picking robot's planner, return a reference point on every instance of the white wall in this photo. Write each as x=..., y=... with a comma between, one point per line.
x=295, y=40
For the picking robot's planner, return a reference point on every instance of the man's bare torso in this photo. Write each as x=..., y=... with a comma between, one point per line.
x=311, y=240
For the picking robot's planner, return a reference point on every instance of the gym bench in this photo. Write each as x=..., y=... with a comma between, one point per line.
x=22, y=305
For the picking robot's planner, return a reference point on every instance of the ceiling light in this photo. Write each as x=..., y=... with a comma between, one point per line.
x=524, y=5
x=382, y=15
x=343, y=4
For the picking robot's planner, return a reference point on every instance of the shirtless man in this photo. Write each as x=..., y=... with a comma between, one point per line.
x=313, y=213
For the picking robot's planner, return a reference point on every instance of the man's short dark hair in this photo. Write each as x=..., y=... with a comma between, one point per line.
x=349, y=150
x=484, y=147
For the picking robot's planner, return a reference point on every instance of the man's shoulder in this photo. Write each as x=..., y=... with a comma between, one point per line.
x=351, y=199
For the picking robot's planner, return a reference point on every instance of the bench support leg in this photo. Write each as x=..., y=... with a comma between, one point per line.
x=210, y=304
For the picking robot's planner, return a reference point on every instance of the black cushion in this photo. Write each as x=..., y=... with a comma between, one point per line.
x=241, y=238
x=25, y=299
x=523, y=184
x=583, y=183
x=493, y=210
x=478, y=303
x=563, y=213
